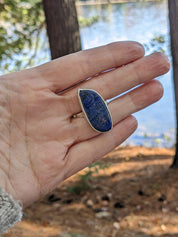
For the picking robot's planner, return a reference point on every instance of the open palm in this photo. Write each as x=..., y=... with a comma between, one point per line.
x=41, y=144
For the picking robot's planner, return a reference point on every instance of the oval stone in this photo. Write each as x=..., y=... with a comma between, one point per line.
x=95, y=110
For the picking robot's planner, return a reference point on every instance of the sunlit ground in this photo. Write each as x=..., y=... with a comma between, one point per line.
x=132, y=192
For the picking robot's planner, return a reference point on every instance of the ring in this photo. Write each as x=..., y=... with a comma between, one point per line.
x=95, y=110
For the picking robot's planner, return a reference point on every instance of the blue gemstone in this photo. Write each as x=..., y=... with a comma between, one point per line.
x=95, y=110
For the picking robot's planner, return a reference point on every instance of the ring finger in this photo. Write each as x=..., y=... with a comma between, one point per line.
x=122, y=107
x=120, y=80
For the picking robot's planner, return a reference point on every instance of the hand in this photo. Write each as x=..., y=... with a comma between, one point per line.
x=40, y=143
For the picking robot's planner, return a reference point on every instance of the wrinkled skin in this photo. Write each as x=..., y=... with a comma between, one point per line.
x=40, y=143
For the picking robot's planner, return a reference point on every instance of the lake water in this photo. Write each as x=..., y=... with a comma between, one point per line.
x=140, y=21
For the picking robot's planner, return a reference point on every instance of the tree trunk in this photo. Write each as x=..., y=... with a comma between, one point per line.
x=173, y=18
x=62, y=27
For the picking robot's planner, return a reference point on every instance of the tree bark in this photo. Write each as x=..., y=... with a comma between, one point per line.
x=62, y=27
x=173, y=18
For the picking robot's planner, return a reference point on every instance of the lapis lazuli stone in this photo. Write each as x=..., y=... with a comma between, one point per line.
x=95, y=110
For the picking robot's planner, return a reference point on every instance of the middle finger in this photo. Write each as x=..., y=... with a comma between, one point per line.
x=113, y=83
x=121, y=108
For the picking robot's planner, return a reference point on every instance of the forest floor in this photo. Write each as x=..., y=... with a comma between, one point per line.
x=131, y=192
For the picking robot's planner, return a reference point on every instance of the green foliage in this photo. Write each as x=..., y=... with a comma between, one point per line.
x=23, y=40
x=86, y=178
x=21, y=22
x=87, y=21
x=157, y=43
x=164, y=139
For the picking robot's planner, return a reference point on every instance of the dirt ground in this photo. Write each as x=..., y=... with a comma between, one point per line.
x=132, y=192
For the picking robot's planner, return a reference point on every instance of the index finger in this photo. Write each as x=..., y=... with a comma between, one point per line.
x=69, y=70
